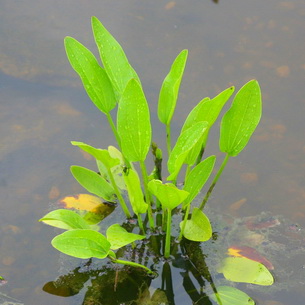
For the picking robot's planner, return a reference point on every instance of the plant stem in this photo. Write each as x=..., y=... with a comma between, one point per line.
x=147, y=195
x=184, y=221
x=117, y=137
x=114, y=130
x=118, y=194
x=140, y=223
x=168, y=139
x=188, y=169
x=168, y=234
x=223, y=165
x=128, y=263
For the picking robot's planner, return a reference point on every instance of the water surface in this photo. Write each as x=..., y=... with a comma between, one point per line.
x=43, y=107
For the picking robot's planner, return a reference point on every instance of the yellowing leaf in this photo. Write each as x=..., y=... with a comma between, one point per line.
x=84, y=202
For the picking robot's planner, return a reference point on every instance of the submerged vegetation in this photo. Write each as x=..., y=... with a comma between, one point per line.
x=148, y=197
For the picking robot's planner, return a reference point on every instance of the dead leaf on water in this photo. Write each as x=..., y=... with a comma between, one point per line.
x=170, y=5
x=66, y=109
x=283, y=71
x=54, y=193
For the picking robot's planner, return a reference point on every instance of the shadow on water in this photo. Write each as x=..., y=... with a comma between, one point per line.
x=108, y=285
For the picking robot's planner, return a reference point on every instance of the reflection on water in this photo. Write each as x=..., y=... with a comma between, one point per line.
x=191, y=275
x=42, y=108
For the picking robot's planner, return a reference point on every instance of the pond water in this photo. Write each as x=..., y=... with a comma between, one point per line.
x=43, y=107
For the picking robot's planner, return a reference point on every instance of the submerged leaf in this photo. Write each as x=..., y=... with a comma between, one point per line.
x=227, y=295
x=113, y=57
x=185, y=142
x=198, y=228
x=93, y=182
x=119, y=237
x=65, y=219
x=93, y=76
x=197, y=178
x=240, y=121
x=82, y=244
x=133, y=123
x=170, y=89
x=244, y=270
x=168, y=194
x=250, y=253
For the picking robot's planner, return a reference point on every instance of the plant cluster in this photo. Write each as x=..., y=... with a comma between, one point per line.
x=116, y=84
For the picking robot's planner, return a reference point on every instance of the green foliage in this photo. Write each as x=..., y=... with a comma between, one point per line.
x=93, y=182
x=168, y=194
x=133, y=123
x=113, y=58
x=116, y=81
x=170, y=89
x=198, y=228
x=65, y=219
x=227, y=295
x=119, y=237
x=95, y=80
x=82, y=243
x=135, y=193
x=197, y=178
x=239, y=123
x=185, y=142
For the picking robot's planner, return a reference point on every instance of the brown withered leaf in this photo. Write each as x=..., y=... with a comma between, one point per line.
x=250, y=253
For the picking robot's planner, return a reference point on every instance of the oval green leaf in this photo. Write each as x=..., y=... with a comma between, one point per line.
x=82, y=244
x=135, y=193
x=244, y=270
x=65, y=219
x=168, y=194
x=227, y=295
x=197, y=178
x=133, y=123
x=170, y=89
x=185, y=142
x=119, y=237
x=113, y=57
x=240, y=121
x=93, y=76
x=93, y=182
x=198, y=228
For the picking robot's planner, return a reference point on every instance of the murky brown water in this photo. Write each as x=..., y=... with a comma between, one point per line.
x=43, y=107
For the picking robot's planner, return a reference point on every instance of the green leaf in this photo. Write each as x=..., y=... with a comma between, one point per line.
x=170, y=89
x=93, y=76
x=82, y=244
x=198, y=228
x=168, y=194
x=93, y=182
x=208, y=109
x=119, y=237
x=133, y=123
x=113, y=57
x=185, y=142
x=227, y=295
x=239, y=123
x=244, y=270
x=197, y=178
x=134, y=190
x=100, y=154
x=65, y=219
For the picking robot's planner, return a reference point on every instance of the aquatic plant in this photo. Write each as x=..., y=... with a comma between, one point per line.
x=116, y=84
